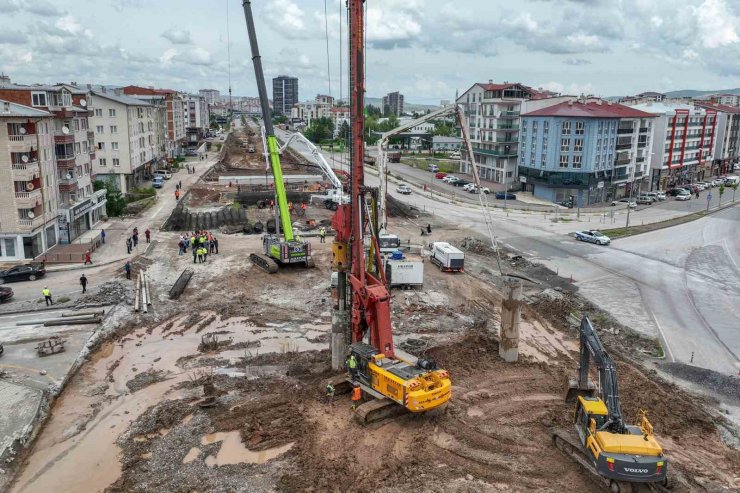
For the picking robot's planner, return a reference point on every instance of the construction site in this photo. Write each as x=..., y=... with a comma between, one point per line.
x=212, y=376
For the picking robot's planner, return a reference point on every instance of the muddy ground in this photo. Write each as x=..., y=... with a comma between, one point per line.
x=136, y=417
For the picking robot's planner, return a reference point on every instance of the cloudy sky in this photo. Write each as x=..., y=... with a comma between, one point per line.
x=427, y=49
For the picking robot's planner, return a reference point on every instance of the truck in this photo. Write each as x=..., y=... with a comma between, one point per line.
x=404, y=272
x=394, y=156
x=447, y=257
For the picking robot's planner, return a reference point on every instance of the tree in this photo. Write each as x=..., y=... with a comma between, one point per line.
x=734, y=189
x=115, y=202
x=721, y=192
x=321, y=129
x=277, y=120
x=344, y=132
x=444, y=129
x=371, y=110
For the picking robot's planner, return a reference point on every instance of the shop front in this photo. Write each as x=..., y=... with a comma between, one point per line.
x=75, y=221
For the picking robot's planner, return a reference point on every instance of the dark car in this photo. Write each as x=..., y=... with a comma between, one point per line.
x=676, y=191
x=5, y=293
x=22, y=273
x=460, y=183
x=191, y=152
x=505, y=196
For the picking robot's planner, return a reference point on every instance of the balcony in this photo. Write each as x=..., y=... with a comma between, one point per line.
x=508, y=114
x=644, y=130
x=621, y=131
x=25, y=171
x=640, y=160
x=66, y=161
x=621, y=147
x=66, y=185
x=28, y=225
x=21, y=143
x=28, y=200
x=622, y=161
x=64, y=139
x=497, y=153
x=90, y=135
x=507, y=140
x=511, y=128
x=641, y=145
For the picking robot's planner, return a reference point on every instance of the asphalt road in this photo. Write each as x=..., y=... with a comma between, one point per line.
x=681, y=284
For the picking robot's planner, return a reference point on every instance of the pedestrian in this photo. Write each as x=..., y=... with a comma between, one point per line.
x=322, y=234
x=215, y=243
x=429, y=229
x=330, y=394
x=356, y=396
x=135, y=237
x=352, y=366
x=200, y=254
x=102, y=236
x=206, y=155
x=148, y=235
x=303, y=207
x=697, y=193
x=47, y=295
x=127, y=269
x=83, y=283
x=205, y=252
x=202, y=240
x=179, y=184
x=129, y=244
x=177, y=194
x=212, y=243
x=195, y=255
x=272, y=205
x=88, y=260
x=290, y=208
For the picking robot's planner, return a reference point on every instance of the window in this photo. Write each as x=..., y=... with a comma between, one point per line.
x=534, y=126
x=543, y=160
x=99, y=128
x=578, y=144
x=545, y=127
x=83, y=123
x=38, y=98
x=564, y=145
x=101, y=146
x=102, y=162
x=577, y=162
x=116, y=161
x=566, y=128
x=509, y=174
x=9, y=247
x=84, y=146
x=113, y=129
x=114, y=146
x=77, y=125
x=98, y=112
x=563, y=160
x=111, y=112
x=580, y=126
x=77, y=148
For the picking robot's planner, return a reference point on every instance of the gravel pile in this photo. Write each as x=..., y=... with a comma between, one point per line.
x=726, y=385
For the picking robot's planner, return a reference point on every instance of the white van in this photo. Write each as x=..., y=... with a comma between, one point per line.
x=433, y=168
x=163, y=173
x=732, y=180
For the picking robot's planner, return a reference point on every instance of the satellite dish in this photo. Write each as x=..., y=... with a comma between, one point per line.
x=24, y=158
x=31, y=215
x=68, y=176
x=83, y=103
x=65, y=130
x=29, y=186
x=22, y=130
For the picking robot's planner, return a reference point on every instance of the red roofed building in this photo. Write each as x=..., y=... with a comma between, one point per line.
x=492, y=112
x=584, y=151
x=726, y=151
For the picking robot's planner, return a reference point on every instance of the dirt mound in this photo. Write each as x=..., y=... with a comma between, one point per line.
x=146, y=378
x=396, y=208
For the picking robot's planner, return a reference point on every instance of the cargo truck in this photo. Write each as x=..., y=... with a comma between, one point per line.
x=447, y=257
x=403, y=272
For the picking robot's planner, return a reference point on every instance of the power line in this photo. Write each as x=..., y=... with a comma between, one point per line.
x=328, y=60
x=228, y=54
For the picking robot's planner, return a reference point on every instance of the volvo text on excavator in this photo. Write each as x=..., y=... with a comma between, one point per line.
x=276, y=250
x=390, y=384
x=624, y=456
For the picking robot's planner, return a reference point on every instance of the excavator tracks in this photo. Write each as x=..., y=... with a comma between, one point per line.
x=568, y=444
x=264, y=262
x=377, y=410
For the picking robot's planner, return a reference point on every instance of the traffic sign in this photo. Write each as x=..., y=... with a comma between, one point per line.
x=709, y=196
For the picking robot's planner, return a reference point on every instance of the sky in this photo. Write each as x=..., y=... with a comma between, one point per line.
x=426, y=49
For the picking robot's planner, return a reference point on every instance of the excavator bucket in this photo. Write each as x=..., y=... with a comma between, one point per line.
x=574, y=391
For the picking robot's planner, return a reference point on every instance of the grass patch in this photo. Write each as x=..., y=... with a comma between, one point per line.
x=63, y=299
x=645, y=228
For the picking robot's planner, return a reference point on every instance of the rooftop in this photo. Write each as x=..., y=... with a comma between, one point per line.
x=668, y=108
x=8, y=109
x=591, y=110
x=120, y=98
x=720, y=107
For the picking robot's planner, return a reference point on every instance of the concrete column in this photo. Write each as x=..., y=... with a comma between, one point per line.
x=510, y=317
x=340, y=325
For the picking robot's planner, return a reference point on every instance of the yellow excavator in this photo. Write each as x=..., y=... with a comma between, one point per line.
x=624, y=456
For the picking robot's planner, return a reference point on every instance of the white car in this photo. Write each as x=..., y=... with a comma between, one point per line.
x=163, y=173
x=631, y=203
x=403, y=189
x=449, y=178
x=593, y=236
x=684, y=196
x=717, y=182
x=468, y=187
x=475, y=189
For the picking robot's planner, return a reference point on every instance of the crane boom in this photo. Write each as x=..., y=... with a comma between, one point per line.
x=272, y=144
x=320, y=160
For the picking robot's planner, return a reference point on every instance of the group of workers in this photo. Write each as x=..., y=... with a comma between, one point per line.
x=201, y=243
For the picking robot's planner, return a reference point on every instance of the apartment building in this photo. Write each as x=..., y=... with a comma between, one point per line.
x=725, y=99
x=683, y=143
x=29, y=196
x=80, y=208
x=595, y=151
x=726, y=151
x=197, y=118
x=339, y=116
x=284, y=94
x=310, y=110
x=174, y=115
x=211, y=96
x=492, y=113
x=125, y=139
x=393, y=104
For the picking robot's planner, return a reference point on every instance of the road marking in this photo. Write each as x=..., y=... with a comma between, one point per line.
x=663, y=338
x=729, y=254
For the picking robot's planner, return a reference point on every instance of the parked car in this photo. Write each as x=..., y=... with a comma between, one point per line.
x=158, y=182
x=630, y=203
x=440, y=175
x=477, y=189
x=433, y=168
x=404, y=189
x=717, y=182
x=5, y=293
x=191, y=152
x=450, y=178
x=459, y=183
x=505, y=196
x=684, y=195
x=675, y=191
x=732, y=180
x=454, y=155
x=22, y=273
x=593, y=236
x=163, y=173
x=644, y=200
x=468, y=186
x=656, y=196
x=660, y=195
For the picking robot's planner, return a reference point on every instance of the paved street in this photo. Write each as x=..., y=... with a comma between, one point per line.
x=680, y=284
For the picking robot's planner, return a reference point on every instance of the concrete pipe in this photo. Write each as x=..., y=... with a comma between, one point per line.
x=257, y=227
x=261, y=204
x=271, y=226
x=248, y=230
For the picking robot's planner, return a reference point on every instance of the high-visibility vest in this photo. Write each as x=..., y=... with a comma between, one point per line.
x=46, y=292
x=352, y=362
x=356, y=394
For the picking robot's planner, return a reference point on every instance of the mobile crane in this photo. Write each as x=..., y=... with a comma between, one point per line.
x=622, y=455
x=289, y=249
x=389, y=382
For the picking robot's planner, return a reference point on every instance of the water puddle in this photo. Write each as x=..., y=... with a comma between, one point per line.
x=233, y=451
x=191, y=456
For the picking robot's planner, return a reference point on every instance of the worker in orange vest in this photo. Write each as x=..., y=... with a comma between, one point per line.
x=177, y=194
x=356, y=396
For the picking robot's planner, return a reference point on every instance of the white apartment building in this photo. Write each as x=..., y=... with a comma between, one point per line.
x=125, y=138
x=196, y=117
x=28, y=184
x=339, y=116
x=683, y=143
x=211, y=96
x=310, y=110
x=492, y=112
x=174, y=114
